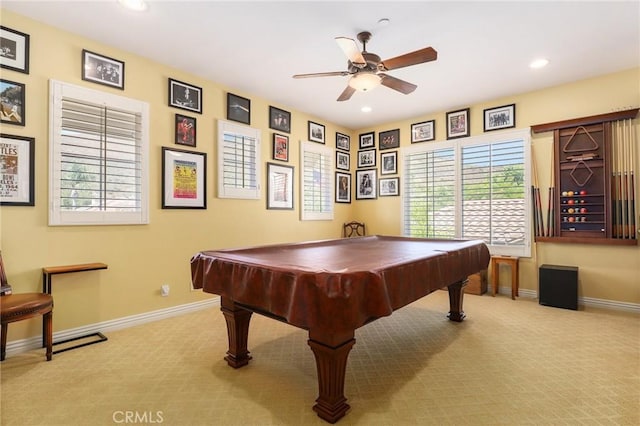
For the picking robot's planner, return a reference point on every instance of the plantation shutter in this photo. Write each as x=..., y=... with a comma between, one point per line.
x=238, y=157
x=99, y=158
x=471, y=188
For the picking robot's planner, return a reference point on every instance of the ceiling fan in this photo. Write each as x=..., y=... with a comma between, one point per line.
x=367, y=71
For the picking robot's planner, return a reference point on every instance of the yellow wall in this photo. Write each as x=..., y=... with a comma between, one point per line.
x=605, y=272
x=141, y=258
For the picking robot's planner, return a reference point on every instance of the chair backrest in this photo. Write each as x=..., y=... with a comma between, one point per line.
x=4, y=284
x=353, y=229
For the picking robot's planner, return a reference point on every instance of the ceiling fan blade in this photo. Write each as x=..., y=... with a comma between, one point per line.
x=397, y=84
x=418, y=57
x=346, y=94
x=350, y=49
x=322, y=74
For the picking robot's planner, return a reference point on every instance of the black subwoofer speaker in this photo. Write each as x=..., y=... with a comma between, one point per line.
x=558, y=286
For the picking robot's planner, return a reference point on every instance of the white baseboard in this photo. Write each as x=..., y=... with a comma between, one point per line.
x=23, y=345
x=584, y=301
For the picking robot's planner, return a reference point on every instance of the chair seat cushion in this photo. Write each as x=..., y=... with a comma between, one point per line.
x=15, y=307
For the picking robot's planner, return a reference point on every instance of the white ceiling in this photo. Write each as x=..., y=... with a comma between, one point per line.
x=254, y=48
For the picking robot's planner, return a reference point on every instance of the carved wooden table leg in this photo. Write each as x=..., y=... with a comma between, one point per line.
x=238, y=332
x=331, y=404
x=456, y=295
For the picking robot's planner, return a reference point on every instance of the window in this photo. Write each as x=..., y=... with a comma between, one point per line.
x=472, y=188
x=316, y=181
x=99, y=158
x=238, y=156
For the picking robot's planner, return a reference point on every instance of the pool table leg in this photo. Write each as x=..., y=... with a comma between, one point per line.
x=238, y=332
x=331, y=362
x=456, y=294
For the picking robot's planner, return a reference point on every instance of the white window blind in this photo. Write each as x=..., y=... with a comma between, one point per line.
x=316, y=181
x=238, y=157
x=472, y=188
x=98, y=158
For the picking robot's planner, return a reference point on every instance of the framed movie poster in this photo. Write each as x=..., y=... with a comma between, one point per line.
x=185, y=130
x=17, y=156
x=184, y=179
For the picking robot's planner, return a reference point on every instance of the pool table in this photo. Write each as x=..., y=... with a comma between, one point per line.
x=330, y=288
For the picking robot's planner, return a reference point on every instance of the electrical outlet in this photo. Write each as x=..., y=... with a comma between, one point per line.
x=164, y=290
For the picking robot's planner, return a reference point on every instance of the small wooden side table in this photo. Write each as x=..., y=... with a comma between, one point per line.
x=511, y=261
x=47, y=274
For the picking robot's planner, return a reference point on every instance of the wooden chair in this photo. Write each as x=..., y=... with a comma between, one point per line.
x=18, y=307
x=353, y=229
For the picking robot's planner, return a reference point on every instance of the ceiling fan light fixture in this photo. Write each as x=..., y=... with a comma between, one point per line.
x=364, y=81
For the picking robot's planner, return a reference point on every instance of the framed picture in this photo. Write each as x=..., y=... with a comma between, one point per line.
x=279, y=119
x=343, y=187
x=423, y=132
x=366, y=184
x=367, y=140
x=238, y=108
x=185, y=130
x=279, y=187
x=17, y=156
x=316, y=132
x=342, y=161
x=343, y=141
x=500, y=117
x=389, y=163
x=102, y=70
x=389, y=139
x=184, y=179
x=389, y=187
x=12, y=103
x=185, y=96
x=280, y=147
x=458, y=124
x=366, y=158
x=14, y=50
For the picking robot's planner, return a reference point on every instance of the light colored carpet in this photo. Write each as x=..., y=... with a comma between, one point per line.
x=510, y=363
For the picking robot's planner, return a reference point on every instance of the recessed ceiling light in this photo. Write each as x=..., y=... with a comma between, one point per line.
x=138, y=5
x=366, y=109
x=384, y=22
x=539, y=63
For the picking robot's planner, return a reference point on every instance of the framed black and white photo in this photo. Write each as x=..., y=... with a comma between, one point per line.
x=17, y=159
x=343, y=187
x=367, y=140
x=389, y=163
x=102, y=70
x=12, y=103
x=366, y=184
x=342, y=160
x=389, y=139
x=185, y=130
x=14, y=50
x=366, y=158
x=389, y=187
x=423, y=132
x=185, y=96
x=238, y=109
x=279, y=187
x=343, y=141
x=316, y=132
x=184, y=179
x=458, y=124
x=280, y=147
x=279, y=119
x=502, y=117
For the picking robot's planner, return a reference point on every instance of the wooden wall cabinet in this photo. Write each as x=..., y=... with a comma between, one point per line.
x=582, y=178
